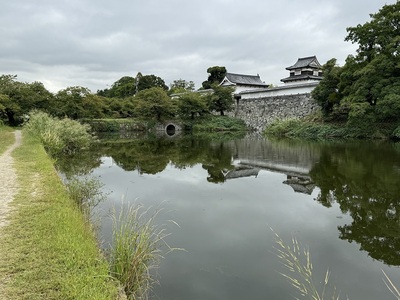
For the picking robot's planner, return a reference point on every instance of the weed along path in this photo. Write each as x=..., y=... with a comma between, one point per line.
x=8, y=179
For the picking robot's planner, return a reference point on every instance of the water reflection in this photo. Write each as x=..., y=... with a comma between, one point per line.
x=361, y=177
x=364, y=179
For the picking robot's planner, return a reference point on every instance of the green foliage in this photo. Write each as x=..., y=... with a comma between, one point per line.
x=86, y=192
x=122, y=88
x=357, y=128
x=215, y=76
x=221, y=99
x=191, y=104
x=389, y=108
x=218, y=123
x=18, y=98
x=372, y=76
x=181, y=86
x=154, y=103
x=58, y=136
x=396, y=133
x=326, y=93
x=145, y=82
x=77, y=102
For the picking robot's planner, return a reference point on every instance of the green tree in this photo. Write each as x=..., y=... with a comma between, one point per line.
x=327, y=93
x=123, y=87
x=374, y=72
x=181, y=86
x=215, y=76
x=145, y=82
x=18, y=98
x=221, y=99
x=78, y=102
x=154, y=103
x=191, y=104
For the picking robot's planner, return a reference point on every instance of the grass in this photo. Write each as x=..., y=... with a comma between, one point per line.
x=6, y=138
x=136, y=249
x=216, y=123
x=312, y=129
x=48, y=251
x=299, y=271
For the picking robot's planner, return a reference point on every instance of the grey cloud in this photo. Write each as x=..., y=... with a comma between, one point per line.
x=94, y=43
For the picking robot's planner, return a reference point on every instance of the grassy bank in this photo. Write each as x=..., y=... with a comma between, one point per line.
x=215, y=123
x=6, y=138
x=48, y=251
x=316, y=129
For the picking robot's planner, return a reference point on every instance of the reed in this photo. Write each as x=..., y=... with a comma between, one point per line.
x=389, y=284
x=136, y=249
x=299, y=271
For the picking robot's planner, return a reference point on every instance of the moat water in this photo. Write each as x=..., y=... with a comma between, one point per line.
x=340, y=200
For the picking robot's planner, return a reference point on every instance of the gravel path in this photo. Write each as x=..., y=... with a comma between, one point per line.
x=8, y=179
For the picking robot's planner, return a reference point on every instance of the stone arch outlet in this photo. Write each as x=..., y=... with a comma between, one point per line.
x=170, y=129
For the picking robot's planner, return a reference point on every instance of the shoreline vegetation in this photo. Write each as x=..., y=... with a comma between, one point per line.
x=314, y=127
x=56, y=254
x=48, y=251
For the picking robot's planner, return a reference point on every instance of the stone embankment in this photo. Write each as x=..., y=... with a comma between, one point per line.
x=258, y=113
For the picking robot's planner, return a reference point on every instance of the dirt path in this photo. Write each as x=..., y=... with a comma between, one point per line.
x=8, y=179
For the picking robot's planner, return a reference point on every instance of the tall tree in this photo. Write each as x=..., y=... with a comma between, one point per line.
x=181, y=86
x=18, y=98
x=150, y=81
x=215, y=76
x=327, y=93
x=191, y=104
x=154, y=103
x=221, y=100
x=123, y=87
x=375, y=68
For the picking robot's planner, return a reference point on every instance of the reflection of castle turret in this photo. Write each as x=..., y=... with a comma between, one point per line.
x=300, y=184
x=242, y=171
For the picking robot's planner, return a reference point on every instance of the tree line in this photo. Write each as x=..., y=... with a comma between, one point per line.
x=366, y=89
x=144, y=96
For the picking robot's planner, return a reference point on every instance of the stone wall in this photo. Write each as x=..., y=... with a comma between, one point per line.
x=257, y=113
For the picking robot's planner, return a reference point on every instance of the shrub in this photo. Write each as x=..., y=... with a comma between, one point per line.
x=396, y=133
x=58, y=137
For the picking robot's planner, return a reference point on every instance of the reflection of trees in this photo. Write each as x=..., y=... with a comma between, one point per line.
x=364, y=180
x=80, y=164
x=151, y=156
x=219, y=161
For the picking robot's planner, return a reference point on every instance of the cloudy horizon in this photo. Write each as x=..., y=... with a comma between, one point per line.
x=94, y=43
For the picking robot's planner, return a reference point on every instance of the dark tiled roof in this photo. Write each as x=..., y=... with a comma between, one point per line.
x=245, y=79
x=301, y=77
x=303, y=62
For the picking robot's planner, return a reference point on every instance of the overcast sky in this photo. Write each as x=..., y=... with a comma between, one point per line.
x=93, y=43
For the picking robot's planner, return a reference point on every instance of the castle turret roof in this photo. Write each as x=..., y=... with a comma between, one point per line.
x=305, y=62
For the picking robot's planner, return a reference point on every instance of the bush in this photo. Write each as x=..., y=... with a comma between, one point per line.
x=396, y=133
x=86, y=193
x=58, y=137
